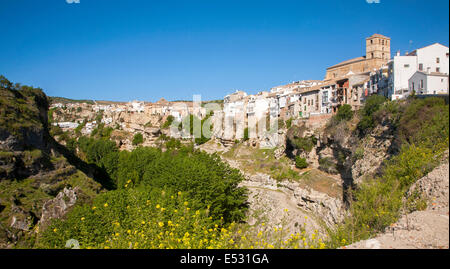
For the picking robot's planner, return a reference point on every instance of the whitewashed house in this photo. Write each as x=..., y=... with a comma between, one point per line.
x=429, y=59
x=429, y=83
x=400, y=69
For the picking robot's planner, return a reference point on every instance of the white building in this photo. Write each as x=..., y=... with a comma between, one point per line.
x=66, y=125
x=429, y=83
x=432, y=58
x=400, y=69
x=326, y=94
x=136, y=106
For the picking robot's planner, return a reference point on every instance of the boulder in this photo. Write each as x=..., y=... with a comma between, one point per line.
x=57, y=207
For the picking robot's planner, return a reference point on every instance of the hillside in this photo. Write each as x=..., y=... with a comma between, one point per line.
x=423, y=229
x=37, y=180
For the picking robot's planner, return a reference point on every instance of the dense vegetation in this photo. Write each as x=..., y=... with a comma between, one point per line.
x=149, y=218
x=422, y=128
x=19, y=108
x=372, y=105
x=208, y=185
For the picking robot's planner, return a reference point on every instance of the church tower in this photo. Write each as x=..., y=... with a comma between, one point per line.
x=378, y=47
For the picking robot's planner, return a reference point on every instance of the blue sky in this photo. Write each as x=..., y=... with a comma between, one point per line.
x=134, y=49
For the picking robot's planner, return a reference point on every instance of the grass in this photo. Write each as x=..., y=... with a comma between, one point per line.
x=321, y=182
x=262, y=161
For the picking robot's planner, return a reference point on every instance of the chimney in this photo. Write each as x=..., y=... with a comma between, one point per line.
x=428, y=70
x=398, y=53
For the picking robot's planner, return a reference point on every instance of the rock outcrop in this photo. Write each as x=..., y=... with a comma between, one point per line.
x=57, y=207
x=327, y=208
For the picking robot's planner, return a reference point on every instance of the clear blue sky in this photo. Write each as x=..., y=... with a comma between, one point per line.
x=143, y=49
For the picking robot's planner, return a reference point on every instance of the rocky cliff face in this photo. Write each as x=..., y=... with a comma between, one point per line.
x=342, y=151
x=34, y=169
x=319, y=204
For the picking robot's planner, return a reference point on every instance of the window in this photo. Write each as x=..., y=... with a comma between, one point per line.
x=371, y=55
x=412, y=86
x=406, y=65
x=438, y=69
x=421, y=84
x=437, y=60
x=371, y=41
x=382, y=42
x=420, y=67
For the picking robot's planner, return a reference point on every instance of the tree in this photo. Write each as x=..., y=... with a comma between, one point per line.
x=372, y=105
x=168, y=122
x=138, y=139
x=246, y=134
x=344, y=113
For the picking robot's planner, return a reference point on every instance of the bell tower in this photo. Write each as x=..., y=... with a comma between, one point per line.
x=378, y=47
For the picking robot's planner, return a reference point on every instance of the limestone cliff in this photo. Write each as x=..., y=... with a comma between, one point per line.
x=34, y=169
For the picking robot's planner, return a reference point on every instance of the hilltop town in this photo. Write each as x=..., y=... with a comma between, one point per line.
x=422, y=72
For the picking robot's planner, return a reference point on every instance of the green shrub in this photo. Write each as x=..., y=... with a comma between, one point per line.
x=327, y=165
x=358, y=154
x=289, y=123
x=344, y=113
x=137, y=139
x=168, y=122
x=371, y=106
x=173, y=143
x=246, y=134
x=305, y=144
x=300, y=162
